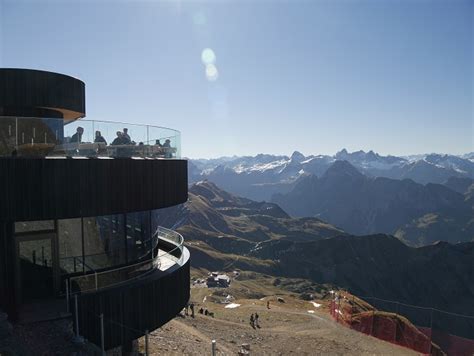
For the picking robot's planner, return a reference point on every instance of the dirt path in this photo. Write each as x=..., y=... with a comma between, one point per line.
x=285, y=331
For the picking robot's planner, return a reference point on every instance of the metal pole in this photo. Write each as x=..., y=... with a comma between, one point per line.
x=372, y=326
x=102, y=343
x=396, y=322
x=76, y=316
x=213, y=347
x=147, y=351
x=67, y=295
x=352, y=308
x=431, y=331
x=16, y=133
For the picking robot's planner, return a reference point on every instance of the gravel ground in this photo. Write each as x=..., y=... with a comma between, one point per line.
x=285, y=329
x=43, y=339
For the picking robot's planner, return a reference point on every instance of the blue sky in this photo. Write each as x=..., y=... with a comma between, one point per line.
x=315, y=76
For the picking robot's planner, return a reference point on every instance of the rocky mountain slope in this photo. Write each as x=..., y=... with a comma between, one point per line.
x=439, y=275
x=225, y=223
x=346, y=198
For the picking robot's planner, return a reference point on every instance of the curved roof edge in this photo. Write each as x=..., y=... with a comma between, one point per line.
x=39, y=93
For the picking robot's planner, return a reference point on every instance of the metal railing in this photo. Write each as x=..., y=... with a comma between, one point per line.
x=43, y=137
x=93, y=280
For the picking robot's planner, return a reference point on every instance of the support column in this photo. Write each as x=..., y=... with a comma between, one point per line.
x=8, y=272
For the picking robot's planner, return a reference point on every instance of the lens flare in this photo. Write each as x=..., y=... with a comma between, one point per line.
x=211, y=72
x=208, y=56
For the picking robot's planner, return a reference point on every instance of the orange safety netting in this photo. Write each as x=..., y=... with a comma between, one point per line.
x=397, y=329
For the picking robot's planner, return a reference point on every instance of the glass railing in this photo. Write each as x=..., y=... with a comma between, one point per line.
x=167, y=252
x=106, y=259
x=41, y=137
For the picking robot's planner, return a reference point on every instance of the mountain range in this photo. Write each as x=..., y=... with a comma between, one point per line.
x=260, y=177
x=419, y=214
x=420, y=199
x=227, y=232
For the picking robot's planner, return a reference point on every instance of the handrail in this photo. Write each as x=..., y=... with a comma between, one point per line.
x=63, y=260
x=89, y=120
x=41, y=137
x=150, y=265
x=123, y=123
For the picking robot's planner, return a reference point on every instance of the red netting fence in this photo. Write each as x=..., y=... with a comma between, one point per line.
x=436, y=332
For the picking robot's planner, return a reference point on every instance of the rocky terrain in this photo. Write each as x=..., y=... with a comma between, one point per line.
x=291, y=327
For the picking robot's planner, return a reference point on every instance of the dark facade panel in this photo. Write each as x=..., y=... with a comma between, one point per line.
x=7, y=269
x=36, y=93
x=40, y=189
x=131, y=309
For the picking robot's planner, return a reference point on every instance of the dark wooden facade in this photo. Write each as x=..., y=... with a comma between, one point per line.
x=40, y=189
x=37, y=93
x=7, y=268
x=131, y=309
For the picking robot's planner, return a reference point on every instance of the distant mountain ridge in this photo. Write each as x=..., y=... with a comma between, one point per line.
x=362, y=205
x=259, y=177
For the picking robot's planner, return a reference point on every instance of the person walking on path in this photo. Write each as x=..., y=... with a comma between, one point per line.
x=186, y=310
x=252, y=321
x=256, y=321
x=191, y=306
x=268, y=304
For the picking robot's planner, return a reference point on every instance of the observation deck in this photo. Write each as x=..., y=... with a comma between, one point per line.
x=79, y=214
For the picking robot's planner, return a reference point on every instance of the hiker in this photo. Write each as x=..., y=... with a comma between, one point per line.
x=205, y=312
x=186, y=310
x=201, y=311
x=268, y=304
x=252, y=321
x=191, y=306
x=256, y=321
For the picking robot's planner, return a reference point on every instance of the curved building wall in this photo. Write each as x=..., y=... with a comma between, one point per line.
x=40, y=189
x=132, y=309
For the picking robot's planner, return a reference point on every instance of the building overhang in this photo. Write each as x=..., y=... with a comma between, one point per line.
x=42, y=94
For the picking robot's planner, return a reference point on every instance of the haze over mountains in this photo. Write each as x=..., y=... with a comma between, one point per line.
x=366, y=205
x=262, y=176
x=420, y=199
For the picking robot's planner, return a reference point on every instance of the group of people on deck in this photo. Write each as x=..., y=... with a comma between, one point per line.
x=123, y=138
